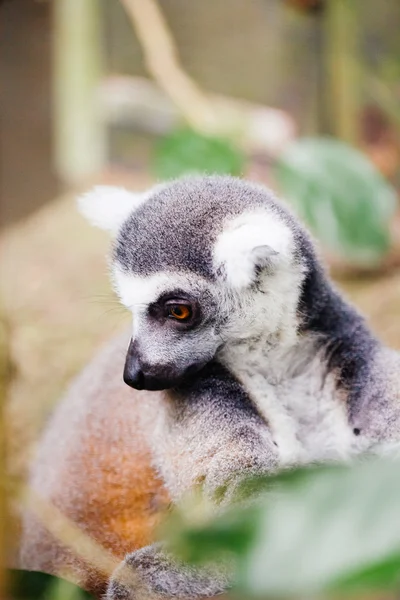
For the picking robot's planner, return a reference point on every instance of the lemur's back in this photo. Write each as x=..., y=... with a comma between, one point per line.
x=93, y=464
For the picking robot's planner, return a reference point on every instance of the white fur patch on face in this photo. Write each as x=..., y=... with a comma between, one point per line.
x=135, y=291
x=253, y=239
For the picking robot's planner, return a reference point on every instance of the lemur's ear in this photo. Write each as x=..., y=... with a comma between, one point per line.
x=107, y=207
x=250, y=243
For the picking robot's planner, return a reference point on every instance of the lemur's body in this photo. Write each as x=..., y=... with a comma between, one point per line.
x=269, y=367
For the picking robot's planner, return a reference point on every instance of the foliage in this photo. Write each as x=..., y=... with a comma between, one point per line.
x=31, y=585
x=316, y=531
x=340, y=195
x=185, y=151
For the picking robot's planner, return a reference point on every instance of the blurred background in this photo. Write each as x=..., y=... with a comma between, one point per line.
x=303, y=95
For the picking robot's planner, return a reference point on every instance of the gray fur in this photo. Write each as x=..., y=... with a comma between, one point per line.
x=177, y=227
x=159, y=575
x=277, y=370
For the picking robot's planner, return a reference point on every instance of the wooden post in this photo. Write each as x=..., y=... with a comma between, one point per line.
x=342, y=69
x=79, y=132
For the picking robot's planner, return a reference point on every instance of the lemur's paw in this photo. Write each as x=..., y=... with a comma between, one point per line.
x=152, y=574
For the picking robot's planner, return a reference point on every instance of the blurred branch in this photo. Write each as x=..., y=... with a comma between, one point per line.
x=342, y=68
x=162, y=61
x=67, y=533
x=80, y=544
x=253, y=127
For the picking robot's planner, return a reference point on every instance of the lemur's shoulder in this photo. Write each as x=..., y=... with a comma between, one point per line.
x=376, y=413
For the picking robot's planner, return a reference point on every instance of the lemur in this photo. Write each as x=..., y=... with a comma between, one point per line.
x=243, y=359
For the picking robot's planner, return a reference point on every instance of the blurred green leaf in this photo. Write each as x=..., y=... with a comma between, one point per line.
x=339, y=193
x=314, y=530
x=185, y=151
x=380, y=576
x=33, y=585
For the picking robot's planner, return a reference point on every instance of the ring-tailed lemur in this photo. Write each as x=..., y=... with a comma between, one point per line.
x=259, y=362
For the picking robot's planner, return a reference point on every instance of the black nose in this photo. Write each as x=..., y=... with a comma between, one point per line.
x=141, y=375
x=133, y=374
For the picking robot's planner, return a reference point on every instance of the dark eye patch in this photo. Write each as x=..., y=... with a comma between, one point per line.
x=163, y=309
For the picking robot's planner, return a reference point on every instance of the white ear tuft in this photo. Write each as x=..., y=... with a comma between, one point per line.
x=251, y=242
x=108, y=207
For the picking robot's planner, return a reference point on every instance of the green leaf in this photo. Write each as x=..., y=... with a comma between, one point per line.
x=34, y=585
x=185, y=151
x=313, y=531
x=380, y=576
x=339, y=193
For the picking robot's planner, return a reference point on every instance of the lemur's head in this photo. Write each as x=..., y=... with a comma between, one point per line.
x=203, y=263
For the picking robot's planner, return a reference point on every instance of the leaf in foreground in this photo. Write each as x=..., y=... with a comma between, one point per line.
x=314, y=530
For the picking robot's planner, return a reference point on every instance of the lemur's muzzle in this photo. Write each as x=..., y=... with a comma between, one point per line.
x=141, y=375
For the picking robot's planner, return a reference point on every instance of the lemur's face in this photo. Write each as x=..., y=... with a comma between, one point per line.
x=176, y=327
x=201, y=263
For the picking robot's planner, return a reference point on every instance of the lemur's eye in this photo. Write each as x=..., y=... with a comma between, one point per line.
x=180, y=312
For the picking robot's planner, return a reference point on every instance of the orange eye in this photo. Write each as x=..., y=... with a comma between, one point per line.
x=181, y=312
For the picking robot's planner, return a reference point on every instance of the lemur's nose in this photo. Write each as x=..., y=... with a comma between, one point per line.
x=143, y=375
x=133, y=374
